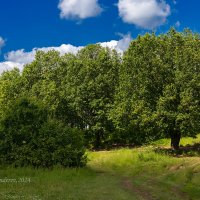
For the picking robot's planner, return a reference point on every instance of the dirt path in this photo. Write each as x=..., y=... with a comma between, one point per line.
x=144, y=193
x=139, y=191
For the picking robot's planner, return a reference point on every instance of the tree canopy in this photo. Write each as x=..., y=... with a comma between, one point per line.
x=159, y=86
x=149, y=92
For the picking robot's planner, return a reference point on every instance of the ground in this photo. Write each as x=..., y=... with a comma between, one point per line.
x=147, y=173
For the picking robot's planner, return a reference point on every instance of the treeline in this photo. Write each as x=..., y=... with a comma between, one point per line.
x=150, y=92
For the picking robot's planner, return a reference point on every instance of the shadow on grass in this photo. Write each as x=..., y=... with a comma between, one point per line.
x=184, y=151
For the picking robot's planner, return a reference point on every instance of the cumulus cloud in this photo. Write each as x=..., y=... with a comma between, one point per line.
x=121, y=45
x=7, y=66
x=22, y=57
x=147, y=14
x=79, y=9
x=124, y=43
x=2, y=43
x=19, y=58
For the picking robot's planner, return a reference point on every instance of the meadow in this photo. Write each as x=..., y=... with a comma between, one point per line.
x=145, y=173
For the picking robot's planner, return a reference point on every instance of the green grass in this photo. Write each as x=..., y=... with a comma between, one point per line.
x=160, y=176
x=184, y=141
x=61, y=184
x=125, y=174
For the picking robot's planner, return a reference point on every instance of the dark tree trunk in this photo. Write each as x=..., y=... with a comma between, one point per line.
x=175, y=140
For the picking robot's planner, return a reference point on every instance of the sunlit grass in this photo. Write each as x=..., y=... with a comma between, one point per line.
x=130, y=161
x=184, y=141
x=159, y=175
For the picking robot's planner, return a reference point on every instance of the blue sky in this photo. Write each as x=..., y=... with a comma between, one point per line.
x=29, y=24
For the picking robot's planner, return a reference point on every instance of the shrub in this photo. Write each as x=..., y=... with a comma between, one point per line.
x=29, y=138
x=61, y=145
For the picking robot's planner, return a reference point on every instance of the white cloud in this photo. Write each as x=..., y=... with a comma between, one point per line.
x=124, y=43
x=121, y=45
x=111, y=44
x=19, y=58
x=2, y=43
x=79, y=9
x=22, y=57
x=147, y=14
x=7, y=66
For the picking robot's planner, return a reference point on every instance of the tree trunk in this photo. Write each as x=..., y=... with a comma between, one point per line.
x=175, y=140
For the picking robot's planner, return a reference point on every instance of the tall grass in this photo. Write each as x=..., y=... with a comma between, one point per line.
x=131, y=161
x=161, y=176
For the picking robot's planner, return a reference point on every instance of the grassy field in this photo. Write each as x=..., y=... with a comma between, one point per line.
x=125, y=174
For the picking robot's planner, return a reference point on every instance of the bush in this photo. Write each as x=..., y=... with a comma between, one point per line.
x=60, y=145
x=29, y=138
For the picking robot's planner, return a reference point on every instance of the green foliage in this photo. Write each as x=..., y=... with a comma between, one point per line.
x=159, y=87
x=152, y=92
x=10, y=88
x=90, y=86
x=29, y=138
x=61, y=145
